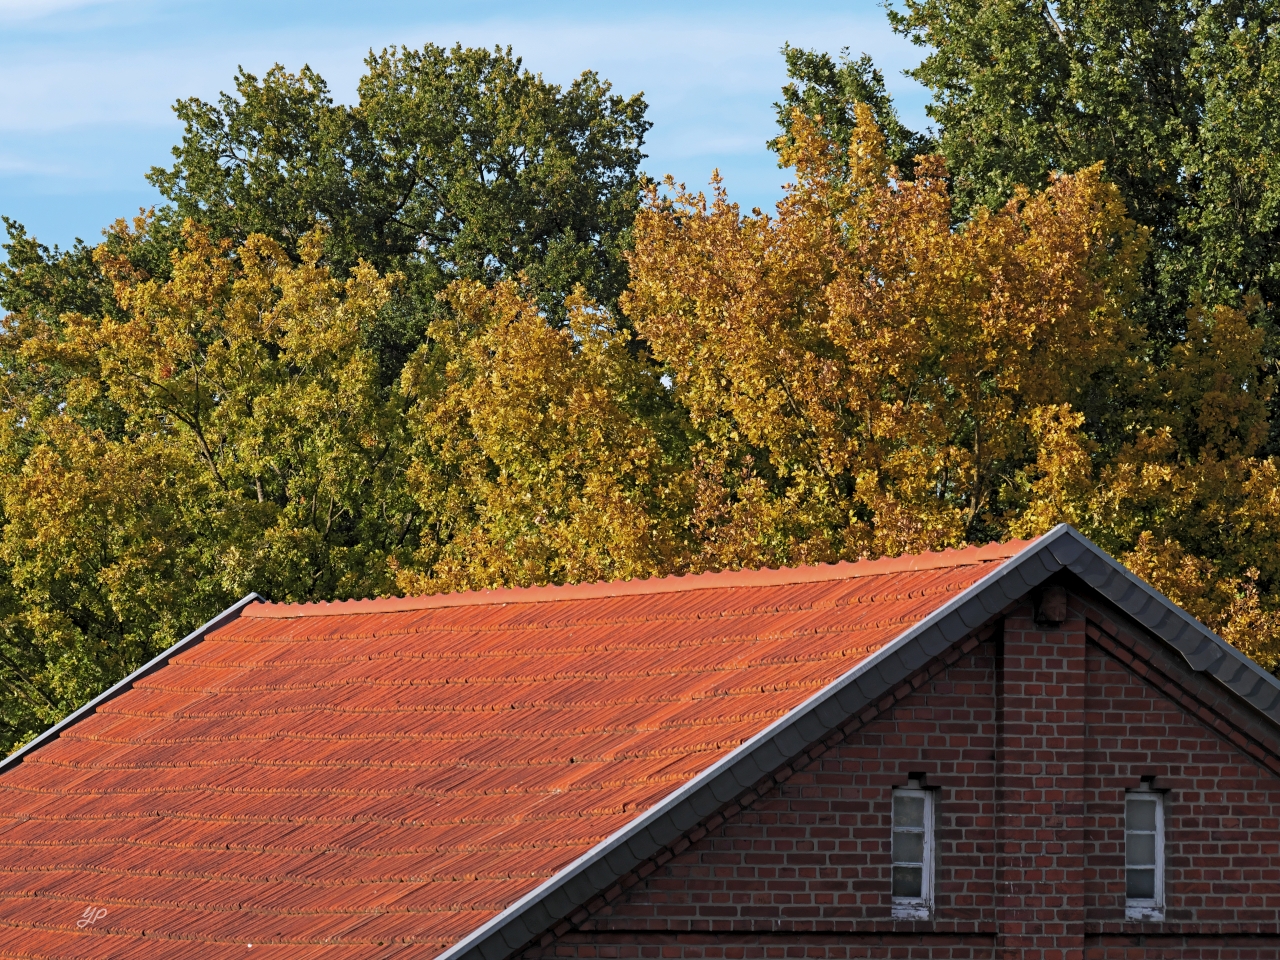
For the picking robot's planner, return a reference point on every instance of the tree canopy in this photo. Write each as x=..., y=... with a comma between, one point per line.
x=451, y=164
x=1179, y=100
x=358, y=357
x=225, y=430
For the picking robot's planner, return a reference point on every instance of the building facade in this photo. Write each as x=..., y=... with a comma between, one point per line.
x=1089, y=795
x=1014, y=751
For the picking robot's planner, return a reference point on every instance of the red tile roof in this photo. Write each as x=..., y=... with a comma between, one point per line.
x=319, y=780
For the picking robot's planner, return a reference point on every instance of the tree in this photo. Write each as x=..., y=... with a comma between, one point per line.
x=452, y=164
x=1178, y=99
x=863, y=377
x=828, y=93
x=189, y=414
x=541, y=453
x=251, y=446
x=210, y=401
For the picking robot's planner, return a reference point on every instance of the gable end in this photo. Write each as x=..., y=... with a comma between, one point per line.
x=1062, y=549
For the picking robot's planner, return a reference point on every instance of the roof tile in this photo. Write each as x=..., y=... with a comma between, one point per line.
x=320, y=779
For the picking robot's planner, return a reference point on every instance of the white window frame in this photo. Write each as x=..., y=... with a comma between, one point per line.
x=1153, y=908
x=915, y=908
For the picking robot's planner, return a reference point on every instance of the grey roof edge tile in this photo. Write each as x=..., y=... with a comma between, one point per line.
x=558, y=903
x=683, y=817
x=909, y=659
x=993, y=601
x=749, y=772
x=642, y=846
x=1247, y=684
x=725, y=787
x=974, y=613
x=514, y=937
x=933, y=642
x=621, y=860
x=148, y=668
x=1097, y=575
x=1067, y=549
x=953, y=629
x=830, y=713
x=1206, y=659
x=851, y=701
x=1266, y=699
x=1236, y=674
x=812, y=727
x=1204, y=650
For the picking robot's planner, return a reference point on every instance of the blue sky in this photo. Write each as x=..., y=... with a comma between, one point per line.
x=89, y=83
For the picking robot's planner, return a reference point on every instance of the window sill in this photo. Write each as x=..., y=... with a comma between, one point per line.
x=910, y=910
x=1148, y=912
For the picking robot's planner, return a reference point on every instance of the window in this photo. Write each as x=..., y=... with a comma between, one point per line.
x=912, y=853
x=1143, y=855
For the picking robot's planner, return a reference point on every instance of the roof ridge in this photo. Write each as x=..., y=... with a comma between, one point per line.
x=674, y=583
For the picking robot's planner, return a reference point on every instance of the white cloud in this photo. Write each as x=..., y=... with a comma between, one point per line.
x=12, y=10
x=118, y=65
x=69, y=84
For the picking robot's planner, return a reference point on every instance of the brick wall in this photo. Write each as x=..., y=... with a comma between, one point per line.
x=1030, y=738
x=1215, y=760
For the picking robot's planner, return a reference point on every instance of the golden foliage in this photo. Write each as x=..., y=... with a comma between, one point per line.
x=852, y=376
x=861, y=362
x=1186, y=501
x=225, y=433
x=537, y=449
x=864, y=377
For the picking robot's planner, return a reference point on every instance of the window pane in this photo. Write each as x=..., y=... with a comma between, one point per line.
x=1140, y=884
x=1140, y=815
x=908, y=847
x=1140, y=849
x=908, y=811
x=906, y=881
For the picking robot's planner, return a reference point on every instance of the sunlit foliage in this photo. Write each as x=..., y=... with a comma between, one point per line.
x=851, y=375
x=863, y=377
x=225, y=433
